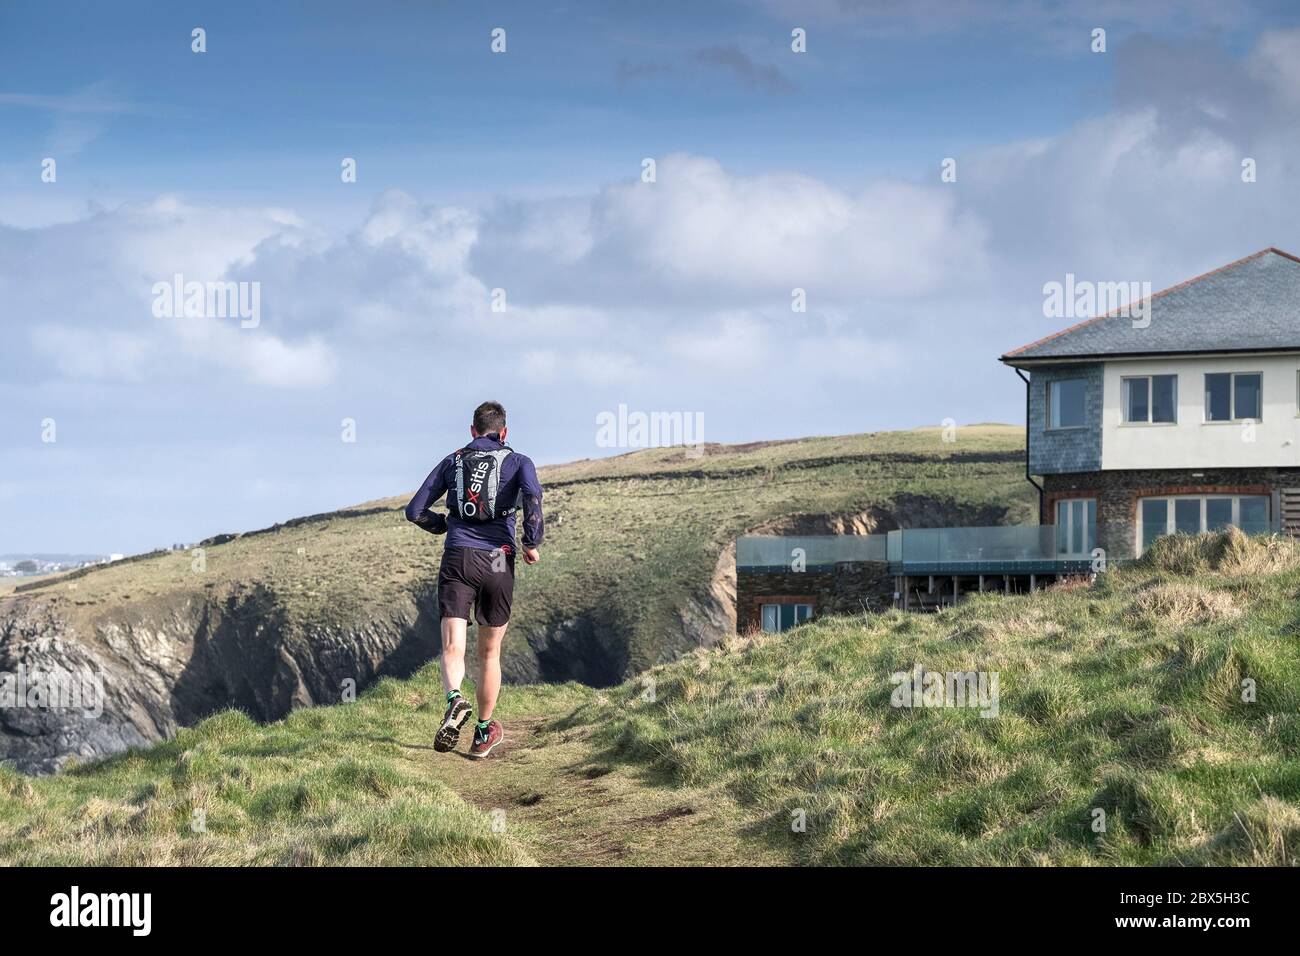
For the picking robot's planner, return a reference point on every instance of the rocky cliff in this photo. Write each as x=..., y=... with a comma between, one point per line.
x=165, y=664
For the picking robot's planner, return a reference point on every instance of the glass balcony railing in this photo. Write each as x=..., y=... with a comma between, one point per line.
x=974, y=546
x=947, y=546
x=811, y=550
x=999, y=548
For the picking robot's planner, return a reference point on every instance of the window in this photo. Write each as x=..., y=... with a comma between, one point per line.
x=1193, y=514
x=1137, y=399
x=1233, y=396
x=1065, y=403
x=1150, y=399
x=1155, y=520
x=782, y=617
x=1253, y=515
x=1076, y=526
x=1187, y=515
x=1218, y=513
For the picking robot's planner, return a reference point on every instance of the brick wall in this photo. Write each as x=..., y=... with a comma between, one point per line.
x=1118, y=492
x=1057, y=451
x=841, y=590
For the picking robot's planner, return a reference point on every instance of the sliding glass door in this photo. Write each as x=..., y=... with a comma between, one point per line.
x=1076, y=526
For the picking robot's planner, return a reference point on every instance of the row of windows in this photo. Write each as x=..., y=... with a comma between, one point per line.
x=1076, y=519
x=1153, y=399
x=1193, y=514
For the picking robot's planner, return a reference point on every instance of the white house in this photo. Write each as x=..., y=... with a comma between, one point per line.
x=1187, y=419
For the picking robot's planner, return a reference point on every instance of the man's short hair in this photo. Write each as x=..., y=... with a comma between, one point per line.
x=489, y=417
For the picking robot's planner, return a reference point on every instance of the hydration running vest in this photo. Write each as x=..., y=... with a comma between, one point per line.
x=478, y=478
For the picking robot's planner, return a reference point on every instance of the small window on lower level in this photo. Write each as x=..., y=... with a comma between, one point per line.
x=782, y=617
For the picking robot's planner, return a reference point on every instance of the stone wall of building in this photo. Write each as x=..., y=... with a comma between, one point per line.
x=845, y=588
x=1118, y=493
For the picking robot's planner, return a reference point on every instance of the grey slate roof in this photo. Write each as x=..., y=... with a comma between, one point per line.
x=1252, y=304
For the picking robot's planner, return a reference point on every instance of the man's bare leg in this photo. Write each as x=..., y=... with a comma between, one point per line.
x=489, y=658
x=453, y=672
x=453, y=653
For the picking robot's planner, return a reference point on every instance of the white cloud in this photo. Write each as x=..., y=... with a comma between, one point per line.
x=632, y=283
x=579, y=366
x=701, y=234
x=259, y=357
x=102, y=357
x=1276, y=62
x=88, y=286
x=671, y=295
x=729, y=342
x=848, y=358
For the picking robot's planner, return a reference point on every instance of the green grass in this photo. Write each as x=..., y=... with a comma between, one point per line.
x=343, y=785
x=1124, y=696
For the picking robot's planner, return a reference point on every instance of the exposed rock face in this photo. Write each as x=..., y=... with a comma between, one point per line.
x=586, y=648
x=38, y=736
x=161, y=667
x=906, y=511
x=710, y=615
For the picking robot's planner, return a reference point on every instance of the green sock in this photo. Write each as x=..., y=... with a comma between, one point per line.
x=453, y=694
x=483, y=725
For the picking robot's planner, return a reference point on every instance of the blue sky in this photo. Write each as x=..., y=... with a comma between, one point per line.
x=521, y=171
x=583, y=90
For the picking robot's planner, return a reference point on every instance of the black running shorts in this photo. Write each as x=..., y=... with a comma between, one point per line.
x=478, y=577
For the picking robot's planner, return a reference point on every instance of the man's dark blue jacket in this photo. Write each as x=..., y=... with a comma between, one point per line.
x=517, y=475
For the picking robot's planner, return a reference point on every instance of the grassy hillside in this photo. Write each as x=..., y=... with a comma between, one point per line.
x=1125, y=695
x=329, y=785
x=631, y=542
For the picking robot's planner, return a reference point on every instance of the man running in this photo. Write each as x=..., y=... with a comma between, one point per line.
x=486, y=482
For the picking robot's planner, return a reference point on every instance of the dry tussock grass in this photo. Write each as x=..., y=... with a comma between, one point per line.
x=1227, y=552
x=1072, y=582
x=1267, y=833
x=1179, y=603
x=1004, y=620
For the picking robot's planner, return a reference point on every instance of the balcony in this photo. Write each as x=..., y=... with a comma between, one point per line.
x=998, y=549
x=1001, y=549
x=809, y=552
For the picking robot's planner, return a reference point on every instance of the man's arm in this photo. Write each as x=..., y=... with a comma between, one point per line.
x=531, y=489
x=434, y=487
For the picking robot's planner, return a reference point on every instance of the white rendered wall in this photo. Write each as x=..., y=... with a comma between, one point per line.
x=1192, y=442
